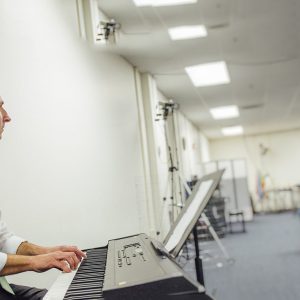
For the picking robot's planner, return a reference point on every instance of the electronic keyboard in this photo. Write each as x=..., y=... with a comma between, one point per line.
x=136, y=267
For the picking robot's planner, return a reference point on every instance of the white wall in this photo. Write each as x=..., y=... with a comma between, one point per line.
x=205, y=147
x=193, y=147
x=281, y=162
x=71, y=167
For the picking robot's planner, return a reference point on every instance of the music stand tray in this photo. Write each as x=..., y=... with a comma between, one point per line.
x=189, y=215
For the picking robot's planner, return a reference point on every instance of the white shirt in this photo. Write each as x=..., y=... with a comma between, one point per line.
x=9, y=243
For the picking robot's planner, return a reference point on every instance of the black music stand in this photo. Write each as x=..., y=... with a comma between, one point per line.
x=186, y=222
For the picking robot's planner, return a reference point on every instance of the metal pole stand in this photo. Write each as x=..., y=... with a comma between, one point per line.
x=215, y=236
x=198, y=260
x=210, y=228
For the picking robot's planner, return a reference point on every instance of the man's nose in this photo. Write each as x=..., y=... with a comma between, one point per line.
x=6, y=117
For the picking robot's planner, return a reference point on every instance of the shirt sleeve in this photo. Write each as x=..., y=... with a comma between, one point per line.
x=3, y=259
x=9, y=242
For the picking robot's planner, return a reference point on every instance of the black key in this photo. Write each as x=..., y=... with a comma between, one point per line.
x=88, y=281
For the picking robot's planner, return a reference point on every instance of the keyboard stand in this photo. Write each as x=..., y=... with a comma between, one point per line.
x=198, y=260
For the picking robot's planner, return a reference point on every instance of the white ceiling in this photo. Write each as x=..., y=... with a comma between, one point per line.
x=259, y=40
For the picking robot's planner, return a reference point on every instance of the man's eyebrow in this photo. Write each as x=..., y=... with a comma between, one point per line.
x=1, y=103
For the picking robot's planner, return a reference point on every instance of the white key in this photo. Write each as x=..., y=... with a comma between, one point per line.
x=60, y=286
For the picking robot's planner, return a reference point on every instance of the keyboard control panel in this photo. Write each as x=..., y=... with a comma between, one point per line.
x=130, y=254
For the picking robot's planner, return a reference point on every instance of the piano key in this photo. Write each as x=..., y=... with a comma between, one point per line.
x=60, y=286
x=88, y=281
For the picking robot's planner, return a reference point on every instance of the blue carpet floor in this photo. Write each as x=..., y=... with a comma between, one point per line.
x=267, y=261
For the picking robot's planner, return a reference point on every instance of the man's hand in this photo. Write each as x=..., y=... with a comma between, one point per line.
x=64, y=261
x=30, y=257
x=79, y=254
x=32, y=249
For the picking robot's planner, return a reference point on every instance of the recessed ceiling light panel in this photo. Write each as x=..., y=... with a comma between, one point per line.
x=187, y=32
x=225, y=112
x=163, y=2
x=234, y=130
x=209, y=74
x=143, y=2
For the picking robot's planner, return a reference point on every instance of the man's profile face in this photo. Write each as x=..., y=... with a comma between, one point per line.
x=4, y=117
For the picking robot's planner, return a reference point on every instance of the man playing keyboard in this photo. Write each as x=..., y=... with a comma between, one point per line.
x=17, y=255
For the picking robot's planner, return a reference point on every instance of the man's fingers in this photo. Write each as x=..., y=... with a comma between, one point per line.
x=75, y=261
x=63, y=266
x=71, y=262
x=80, y=254
x=71, y=258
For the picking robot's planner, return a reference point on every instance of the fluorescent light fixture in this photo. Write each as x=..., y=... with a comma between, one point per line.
x=225, y=112
x=143, y=2
x=234, y=130
x=214, y=73
x=187, y=32
x=163, y=2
